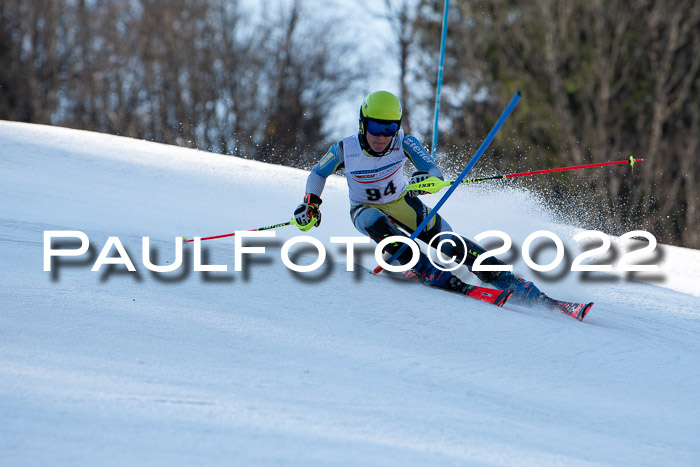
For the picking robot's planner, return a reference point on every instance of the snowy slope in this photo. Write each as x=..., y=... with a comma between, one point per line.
x=266, y=366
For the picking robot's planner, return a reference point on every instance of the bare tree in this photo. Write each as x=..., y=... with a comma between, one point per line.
x=601, y=80
x=30, y=45
x=401, y=16
x=200, y=73
x=306, y=75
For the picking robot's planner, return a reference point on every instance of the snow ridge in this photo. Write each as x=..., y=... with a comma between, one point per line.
x=267, y=366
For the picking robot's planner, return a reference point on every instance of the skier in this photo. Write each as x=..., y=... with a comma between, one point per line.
x=374, y=159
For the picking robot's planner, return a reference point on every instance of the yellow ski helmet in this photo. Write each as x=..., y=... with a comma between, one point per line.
x=380, y=114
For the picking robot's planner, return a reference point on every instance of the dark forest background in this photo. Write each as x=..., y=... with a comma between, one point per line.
x=601, y=80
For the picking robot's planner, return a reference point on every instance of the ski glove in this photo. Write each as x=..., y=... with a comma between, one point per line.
x=418, y=177
x=307, y=214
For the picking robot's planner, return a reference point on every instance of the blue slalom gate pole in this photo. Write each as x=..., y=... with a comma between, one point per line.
x=439, y=81
x=499, y=123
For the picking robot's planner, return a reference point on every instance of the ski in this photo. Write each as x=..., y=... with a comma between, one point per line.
x=496, y=296
x=485, y=294
x=573, y=309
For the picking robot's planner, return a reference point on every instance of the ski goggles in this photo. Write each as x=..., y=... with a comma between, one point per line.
x=377, y=128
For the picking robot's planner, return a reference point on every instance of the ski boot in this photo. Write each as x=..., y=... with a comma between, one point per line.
x=425, y=272
x=524, y=292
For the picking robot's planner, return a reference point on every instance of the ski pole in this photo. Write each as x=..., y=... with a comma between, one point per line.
x=289, y=222
x=434, y=184
x=485, y=144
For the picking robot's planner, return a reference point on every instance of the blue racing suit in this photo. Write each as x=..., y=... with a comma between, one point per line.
x=379, y=202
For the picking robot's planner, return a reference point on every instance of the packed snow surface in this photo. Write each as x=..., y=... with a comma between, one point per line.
x=269, y=366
